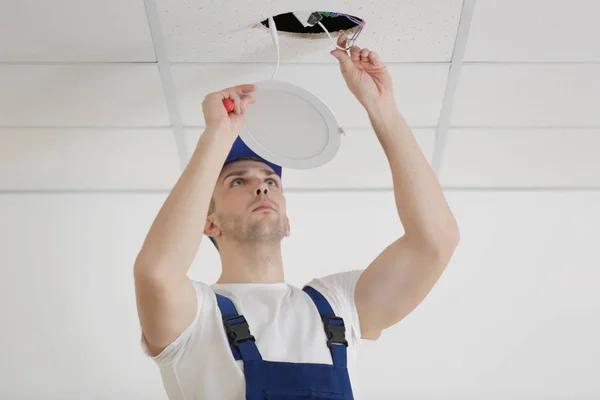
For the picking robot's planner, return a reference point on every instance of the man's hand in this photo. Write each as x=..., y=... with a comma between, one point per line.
x=215, y=114
x=365, y=74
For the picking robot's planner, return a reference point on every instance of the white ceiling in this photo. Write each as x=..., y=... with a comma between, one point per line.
x=499, y=92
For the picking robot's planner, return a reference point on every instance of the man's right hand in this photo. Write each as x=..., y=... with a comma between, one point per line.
x=215, y=114
x=166, y=298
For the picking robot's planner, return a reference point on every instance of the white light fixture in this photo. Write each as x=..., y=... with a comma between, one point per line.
x=290, y=126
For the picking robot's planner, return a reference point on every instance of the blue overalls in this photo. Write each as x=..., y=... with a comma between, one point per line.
x=268, y=380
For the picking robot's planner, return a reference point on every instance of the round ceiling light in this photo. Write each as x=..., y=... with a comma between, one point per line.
x=290, y=126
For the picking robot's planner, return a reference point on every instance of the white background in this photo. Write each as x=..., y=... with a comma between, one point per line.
x=100, y=106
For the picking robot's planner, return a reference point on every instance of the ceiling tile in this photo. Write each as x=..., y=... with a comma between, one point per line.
x=359, y=163
x=82, y=30
x=84, y=95
x=521, y=158
x=534, y=30
x=226, y=31
x=72, y=159
x=528, y=96
x=419, y=89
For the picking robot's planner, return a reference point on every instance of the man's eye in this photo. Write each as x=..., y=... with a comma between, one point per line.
x=236, y=182
x=272, y=182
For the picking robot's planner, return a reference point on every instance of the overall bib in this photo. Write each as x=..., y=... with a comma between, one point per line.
x=268, y=380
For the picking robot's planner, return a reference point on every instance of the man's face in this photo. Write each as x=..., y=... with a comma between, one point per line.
x=249, y=204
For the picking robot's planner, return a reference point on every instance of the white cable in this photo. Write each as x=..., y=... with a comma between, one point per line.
x=332, y=40
x=275, y=42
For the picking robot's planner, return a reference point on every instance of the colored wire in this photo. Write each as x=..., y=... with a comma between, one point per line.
x=361, y=25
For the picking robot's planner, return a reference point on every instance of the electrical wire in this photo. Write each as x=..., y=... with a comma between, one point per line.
x=361, y=25
x=330, y=38
x=275, y=42
x=275, y=37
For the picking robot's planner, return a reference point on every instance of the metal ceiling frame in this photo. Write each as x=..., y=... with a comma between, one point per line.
x=458, y=55
x=167, y=80
x=456, y=189
x=164, y=65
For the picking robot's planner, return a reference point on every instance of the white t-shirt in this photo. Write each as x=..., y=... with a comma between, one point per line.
x=282, y=318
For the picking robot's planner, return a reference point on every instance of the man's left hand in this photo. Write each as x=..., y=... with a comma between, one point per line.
x=365, y=74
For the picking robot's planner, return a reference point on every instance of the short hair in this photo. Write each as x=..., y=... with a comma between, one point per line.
x=211, y=209
x=211, y=206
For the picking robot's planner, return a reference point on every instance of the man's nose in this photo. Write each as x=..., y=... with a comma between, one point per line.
x=263, y=188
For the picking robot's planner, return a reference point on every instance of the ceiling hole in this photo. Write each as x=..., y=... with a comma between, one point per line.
x=289, y=23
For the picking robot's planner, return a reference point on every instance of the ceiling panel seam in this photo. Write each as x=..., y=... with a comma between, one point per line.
x=458, y=55
x=490, y=189
x=75, y=63
x=490, y=63
x=88, y=127
x=167, y=80
x=307, y=64
x=527, y=63
x=346, y=127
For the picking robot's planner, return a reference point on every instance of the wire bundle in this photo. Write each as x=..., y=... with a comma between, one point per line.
x=361, y=25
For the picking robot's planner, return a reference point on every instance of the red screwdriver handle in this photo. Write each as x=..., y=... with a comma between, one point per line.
x=229, y=105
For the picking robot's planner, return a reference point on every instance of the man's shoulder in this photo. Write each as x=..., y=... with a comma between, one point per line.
x=337, y=280
x=338, y=289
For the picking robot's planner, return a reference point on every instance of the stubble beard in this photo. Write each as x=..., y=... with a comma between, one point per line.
x=258, y=231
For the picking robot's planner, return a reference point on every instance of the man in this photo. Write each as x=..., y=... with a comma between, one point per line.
x=251, y=335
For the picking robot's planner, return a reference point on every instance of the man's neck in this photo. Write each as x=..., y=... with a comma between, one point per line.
x=251, y=263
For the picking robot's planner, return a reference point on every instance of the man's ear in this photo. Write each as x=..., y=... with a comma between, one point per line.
x=288, y=228
x=211, y=228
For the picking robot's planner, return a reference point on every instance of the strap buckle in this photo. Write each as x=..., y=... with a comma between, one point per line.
x=239, y=332
x=336, y=334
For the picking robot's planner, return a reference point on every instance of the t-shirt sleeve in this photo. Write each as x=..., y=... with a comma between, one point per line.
x=338, y=289
x=177, y=347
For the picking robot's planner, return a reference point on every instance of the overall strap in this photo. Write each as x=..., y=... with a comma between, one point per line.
x=238, y=332
x=334, y=327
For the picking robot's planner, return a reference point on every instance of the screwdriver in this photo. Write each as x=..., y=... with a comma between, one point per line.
x=229, y=105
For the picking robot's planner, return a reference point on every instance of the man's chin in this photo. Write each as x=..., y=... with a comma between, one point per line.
x=268, y=229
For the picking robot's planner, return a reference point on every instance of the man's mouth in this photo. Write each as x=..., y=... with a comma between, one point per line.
x=264, y=205
x=263, y=208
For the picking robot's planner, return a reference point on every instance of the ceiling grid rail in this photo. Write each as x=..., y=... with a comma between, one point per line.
x=458, y=56
x=467, y=189
x=168, y=82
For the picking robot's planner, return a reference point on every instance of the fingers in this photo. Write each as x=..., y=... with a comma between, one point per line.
x=240, y=96
x=355, y=53
x=242, y=91
x=245, y=88
x=375, y=59
x=342, y=40
x=341, y=55
x=364, y=55
x=231, y=93
x=246, y=100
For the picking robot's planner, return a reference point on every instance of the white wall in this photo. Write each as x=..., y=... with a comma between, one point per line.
x=514, y=316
